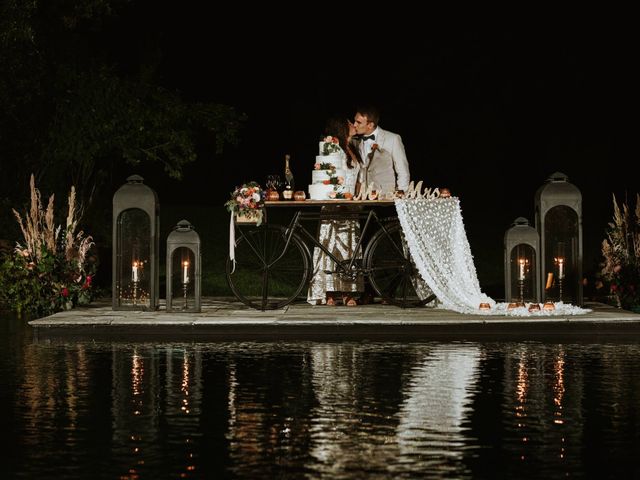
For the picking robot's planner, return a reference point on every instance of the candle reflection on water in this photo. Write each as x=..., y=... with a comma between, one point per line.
x=324, y=407
x=558, y=396
x=185, y=384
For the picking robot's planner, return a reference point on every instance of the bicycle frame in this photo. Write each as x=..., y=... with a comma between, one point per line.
x=371, y=216
x=277, y=255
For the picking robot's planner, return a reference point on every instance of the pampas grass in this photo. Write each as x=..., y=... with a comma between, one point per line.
x=621, y=252
x=41, y=235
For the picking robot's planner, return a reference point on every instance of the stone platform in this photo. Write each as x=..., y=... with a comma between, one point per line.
x=228, y=319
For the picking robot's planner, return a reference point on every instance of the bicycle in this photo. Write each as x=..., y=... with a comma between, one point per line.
x=273, y=263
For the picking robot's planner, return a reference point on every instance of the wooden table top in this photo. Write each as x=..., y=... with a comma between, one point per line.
x=322, y=203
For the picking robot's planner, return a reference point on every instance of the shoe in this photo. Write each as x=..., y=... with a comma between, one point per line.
x=331, y=301
x=351, y=302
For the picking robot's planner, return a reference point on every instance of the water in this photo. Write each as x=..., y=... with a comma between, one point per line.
x=430, y=409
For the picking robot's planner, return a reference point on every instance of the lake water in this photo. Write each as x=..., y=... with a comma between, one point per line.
x=423, y=409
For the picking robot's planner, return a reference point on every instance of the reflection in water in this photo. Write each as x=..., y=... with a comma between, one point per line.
x=346, y=414
x=558, y=387
x=436, y=402
x=159, y=409
x=319, y=410
x=547, y=421
x=522, y=387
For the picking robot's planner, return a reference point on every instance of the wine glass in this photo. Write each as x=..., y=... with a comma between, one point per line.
x=274, y=182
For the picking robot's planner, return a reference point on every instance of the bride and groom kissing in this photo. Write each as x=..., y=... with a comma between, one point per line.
x=375, y=160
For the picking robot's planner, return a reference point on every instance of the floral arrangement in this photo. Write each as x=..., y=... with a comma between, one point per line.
x=334, y=180
x=325, y=166
x=331, y=145
x=51, y=269
x=340, y=194
x=621, y=251
x=247, y=199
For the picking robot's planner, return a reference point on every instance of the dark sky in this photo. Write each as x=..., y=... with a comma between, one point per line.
x=488, y=112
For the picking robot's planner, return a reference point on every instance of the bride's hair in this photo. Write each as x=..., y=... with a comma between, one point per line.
x=339, y=127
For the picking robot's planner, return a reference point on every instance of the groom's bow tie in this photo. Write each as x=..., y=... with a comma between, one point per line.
x=368, y=137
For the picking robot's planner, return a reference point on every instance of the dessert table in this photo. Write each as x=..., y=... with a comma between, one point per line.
x=423, y=243
x=271, y=264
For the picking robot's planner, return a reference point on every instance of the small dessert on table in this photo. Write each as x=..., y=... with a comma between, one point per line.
x=534, y=307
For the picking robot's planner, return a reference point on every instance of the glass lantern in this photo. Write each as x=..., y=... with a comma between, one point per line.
x=184, y=265
x=559, y=224
x=135, y=265
x=521, y=254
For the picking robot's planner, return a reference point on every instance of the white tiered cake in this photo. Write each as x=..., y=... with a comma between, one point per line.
x=329, y=172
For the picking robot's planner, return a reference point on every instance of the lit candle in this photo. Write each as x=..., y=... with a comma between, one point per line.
x=134, y=272
x=521, y=262
x=560, y=267
x=185, y=272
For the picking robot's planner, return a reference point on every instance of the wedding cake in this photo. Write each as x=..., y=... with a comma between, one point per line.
x=327, y=178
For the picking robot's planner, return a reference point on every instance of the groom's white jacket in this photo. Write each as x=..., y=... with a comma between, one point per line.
x=387, y=166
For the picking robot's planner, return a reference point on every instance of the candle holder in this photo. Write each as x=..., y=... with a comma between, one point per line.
x=135, y=291
x=560, y=279
x=558, y=208
x=183, y=269
x=521, y=252
x=135, y=266
x=521, y=290
x=184, y=294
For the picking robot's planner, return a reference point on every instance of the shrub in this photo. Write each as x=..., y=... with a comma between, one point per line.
x=621, y=251
x=50, y=270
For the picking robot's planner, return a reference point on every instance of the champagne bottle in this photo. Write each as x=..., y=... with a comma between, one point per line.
x=289, y=182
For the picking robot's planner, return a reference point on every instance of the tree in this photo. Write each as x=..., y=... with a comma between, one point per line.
x=73, y=107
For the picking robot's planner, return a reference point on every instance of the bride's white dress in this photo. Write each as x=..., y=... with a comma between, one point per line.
x=340, y=237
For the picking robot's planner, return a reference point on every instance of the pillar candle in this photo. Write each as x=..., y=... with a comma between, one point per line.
x=185, y=272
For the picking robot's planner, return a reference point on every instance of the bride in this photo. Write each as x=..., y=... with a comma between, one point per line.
x=340, y=237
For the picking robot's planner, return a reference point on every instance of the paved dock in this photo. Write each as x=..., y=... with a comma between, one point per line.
x=226, y=318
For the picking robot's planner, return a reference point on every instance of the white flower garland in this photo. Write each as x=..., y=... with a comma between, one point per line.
x=435, y=234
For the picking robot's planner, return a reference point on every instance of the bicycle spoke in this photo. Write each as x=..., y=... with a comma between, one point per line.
x=269, y=273
x=390, y=268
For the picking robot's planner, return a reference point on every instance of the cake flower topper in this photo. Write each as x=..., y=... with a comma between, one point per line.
x=331, y=145
x=325, y=166
x=334, y=180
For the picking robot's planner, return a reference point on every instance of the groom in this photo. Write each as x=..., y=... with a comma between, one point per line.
x=385, y=163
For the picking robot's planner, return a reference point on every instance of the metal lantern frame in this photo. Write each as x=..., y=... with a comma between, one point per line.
x=184, y=236
x=135, y=198
x=522, y=234
x=559, y=193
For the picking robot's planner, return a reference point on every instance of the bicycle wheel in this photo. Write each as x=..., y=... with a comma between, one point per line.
x=391, y=270
x=266, y=276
